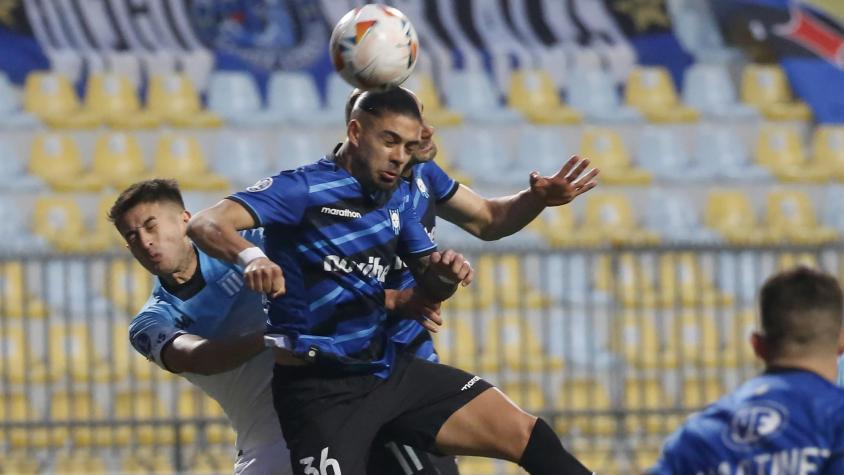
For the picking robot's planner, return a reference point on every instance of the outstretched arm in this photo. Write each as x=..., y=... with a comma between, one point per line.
x=494, y=218
x=194, y=354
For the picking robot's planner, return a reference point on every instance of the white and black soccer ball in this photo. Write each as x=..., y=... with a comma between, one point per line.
x=374, y=47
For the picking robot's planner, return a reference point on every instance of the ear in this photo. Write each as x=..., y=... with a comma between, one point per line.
x=760, y=345
x=353, y=132
x=186, y=216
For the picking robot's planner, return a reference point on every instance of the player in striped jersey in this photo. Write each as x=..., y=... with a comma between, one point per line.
x=337, y=379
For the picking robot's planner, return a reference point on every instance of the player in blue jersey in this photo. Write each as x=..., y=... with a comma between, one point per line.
x=201, y=322
x=335, y=228
x=790, y=419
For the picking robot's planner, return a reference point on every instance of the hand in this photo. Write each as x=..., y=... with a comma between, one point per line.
x=451, y=267
x=564, y=186
x=265, y=276
x=420, y=306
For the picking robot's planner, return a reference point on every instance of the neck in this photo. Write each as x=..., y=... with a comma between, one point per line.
x=343, y=157
x=825, y=367
x=186, y=268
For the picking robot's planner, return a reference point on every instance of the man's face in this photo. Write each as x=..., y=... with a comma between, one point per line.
x=427, y=149
x=155, y=233
x=385, y=147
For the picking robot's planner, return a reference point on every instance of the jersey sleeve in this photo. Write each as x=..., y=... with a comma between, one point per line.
x=280, y=199
x=443, y=187
x=150, y=331
x=413, y=241
x=669, y=458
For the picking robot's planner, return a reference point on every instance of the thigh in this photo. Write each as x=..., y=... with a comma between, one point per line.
x=273, y=459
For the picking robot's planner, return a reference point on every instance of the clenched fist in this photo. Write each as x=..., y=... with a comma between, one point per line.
x=265, y=276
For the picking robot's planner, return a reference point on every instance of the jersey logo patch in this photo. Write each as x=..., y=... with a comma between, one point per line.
x=395, y=221
x=143, y=344
x=260, y=185
x=420, y=184
x=231, y=283
x=345, y=213
x=754, y=423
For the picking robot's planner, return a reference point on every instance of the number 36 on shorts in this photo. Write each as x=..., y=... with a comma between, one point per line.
x=324, y=464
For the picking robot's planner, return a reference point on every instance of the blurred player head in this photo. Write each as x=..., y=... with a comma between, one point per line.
x=801, y=312
x=427, y=149
x=383, y=131
x=151, y=217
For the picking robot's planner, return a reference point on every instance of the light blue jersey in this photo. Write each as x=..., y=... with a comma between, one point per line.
x=215, y=303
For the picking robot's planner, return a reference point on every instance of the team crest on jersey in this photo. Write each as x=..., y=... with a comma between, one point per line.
x=395, y=221
x=420, y=183
x=142, y=343
x=754, y=423
x=260, y=185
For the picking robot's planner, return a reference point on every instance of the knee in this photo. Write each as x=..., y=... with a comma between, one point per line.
x=522, y=430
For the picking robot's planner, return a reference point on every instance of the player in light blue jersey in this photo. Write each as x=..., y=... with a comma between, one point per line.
x=201, y=322
x=790, y=419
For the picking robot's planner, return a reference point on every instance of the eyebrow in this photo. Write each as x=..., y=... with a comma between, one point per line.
x=136, y=228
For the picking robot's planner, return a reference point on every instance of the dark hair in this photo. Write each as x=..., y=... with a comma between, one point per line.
x=397, y=101
x=147, y=191
x=350, y=103
x=801, y=309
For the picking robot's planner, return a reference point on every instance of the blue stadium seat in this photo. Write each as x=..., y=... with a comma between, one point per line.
x=294, y=97
x=488, y=159
x=11, y=114
x=234, y=96
x=292, y=150
x=661, y=152
x=721, y=150
x=593, y=92
x=13, y=171
x=832, y=212
x=472, y=94
x=708, y=88
x=673, y=217
x=240, y=158
x=542, y=149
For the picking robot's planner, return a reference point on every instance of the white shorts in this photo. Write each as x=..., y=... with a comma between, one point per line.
x=273, y=459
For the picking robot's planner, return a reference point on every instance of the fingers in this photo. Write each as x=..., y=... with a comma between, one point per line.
x=447, y=257
x=265, y=276
x=470, y=274
x=567, y=167
x=587, y=182
x=581, y=167
x=436, y=256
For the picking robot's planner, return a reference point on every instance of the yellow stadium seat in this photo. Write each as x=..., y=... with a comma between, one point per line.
x=104, y=227
x=213, y=460
x=16, y=299
x=79, y=463
x=511, y=342
x=605, y=149
x=599, y=460
x=557, y=226
x=738, y=347
x=791, y=215
x=434, y=112
x=780, y=150
x=729, y=212
x=504, y=280
x=828, y=149
x=195, y=404
x=77, y=407
x=585, y=400
x=478, y=465
x=16, y=408
x=143, y=407
x=642, y=396
x=645, y=458
x=787, y=260
x=457, y=345
x=651, y=91
x=55, y=158
x=611, y=215
x=765, y=87
x=20, y=463
x=527, y=395
x=634, y=287
x=683, y=281
x=21, y=363
x=532, y=92
x=697, y=338
x=146, y=462
x=639, y=340
x=58, y=219
x=74, y=354
x=118, y=160
x=699, y=393
x=181, y=158
x=128, y=285
x=112, y=96
x=126, y=361
x=50, y=96
x=173, y=97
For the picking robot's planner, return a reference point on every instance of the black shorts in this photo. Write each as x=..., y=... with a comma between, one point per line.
x=330, y=420
x=392, y=458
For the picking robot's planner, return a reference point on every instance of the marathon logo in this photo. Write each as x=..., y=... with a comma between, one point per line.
x=345, y=213
x=470, y=383
x=371, y=268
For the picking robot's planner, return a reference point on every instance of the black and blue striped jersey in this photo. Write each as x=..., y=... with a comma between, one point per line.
x=335, y=243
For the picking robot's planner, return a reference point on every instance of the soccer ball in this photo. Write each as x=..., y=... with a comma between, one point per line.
x=374, y=47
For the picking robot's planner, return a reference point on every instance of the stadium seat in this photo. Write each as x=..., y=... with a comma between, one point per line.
x=709, y=89
x=729, y=213
x=18, y=300
x=602, y=460
x=696, y=339
x=59, y=220
x=699, y=393
x=173, y=97
x=150, y=461
x=828, y=149
x=118, y=160
x=720, y=152
x=50, y=96
x=76, y=462
x=532, y=92
x=526, y=394
x=640, y=342
x=511, y=343
x=180, y=157
x=611, y=215
x=435, y=113
x=194, y=404
x=294, y=97
x=780, y=149
x=55, y=158
x=472, y=94
x=586, y=405
x=645, y=399
x=606, y=150
x=337, y=92
x=673, y=217
x=21, y=364
x=456, y=342
x=235, y=97
x=67, y=407
x=127, y=64
x=128, y=286
x=11, y=115
x=683, y=281
x=142, y=407
x=488, y=159
x=557, y=226
x=652, y=92
x=661, y=152
x=213, y=460
x=103, y=226
x=542, y=149
x=13, y=171
x=791, y=216
x=241, y=159
x=500, y=279
x=21, y=462
x=292, y=150
x=73, y=354
x=765, y=87
x=114, y=98
x=17, y=408
x=592, y=92
x=833, y=207
x=478, y=465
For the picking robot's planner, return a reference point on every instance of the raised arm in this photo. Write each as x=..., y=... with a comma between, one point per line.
x=194, y=354
x=494, y=218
